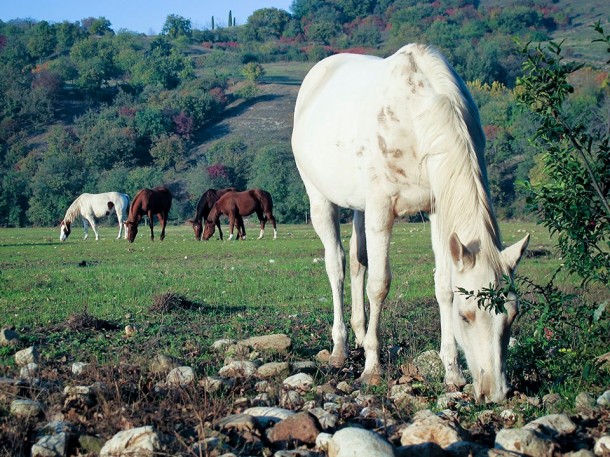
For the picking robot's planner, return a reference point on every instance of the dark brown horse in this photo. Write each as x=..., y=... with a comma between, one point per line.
x=204, y=206
x=149, y=202
x=235, y=205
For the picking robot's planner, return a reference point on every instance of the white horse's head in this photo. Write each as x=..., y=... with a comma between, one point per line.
x=64, y=230
x=483, y=334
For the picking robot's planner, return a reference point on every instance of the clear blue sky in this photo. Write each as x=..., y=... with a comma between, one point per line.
x=137, y=15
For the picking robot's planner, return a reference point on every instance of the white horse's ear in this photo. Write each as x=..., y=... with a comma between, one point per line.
x=462, y=257
x=512, y=254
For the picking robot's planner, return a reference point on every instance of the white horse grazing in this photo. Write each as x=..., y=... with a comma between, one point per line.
x=395, y=136
x=92, y=206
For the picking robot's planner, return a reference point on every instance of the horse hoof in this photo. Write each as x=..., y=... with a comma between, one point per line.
x=370, y=379
x=336, y=361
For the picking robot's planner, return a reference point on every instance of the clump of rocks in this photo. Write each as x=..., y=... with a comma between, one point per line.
x=270, y=405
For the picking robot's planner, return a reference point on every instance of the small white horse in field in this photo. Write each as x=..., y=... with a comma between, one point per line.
x=94, y=206
x=395, y=136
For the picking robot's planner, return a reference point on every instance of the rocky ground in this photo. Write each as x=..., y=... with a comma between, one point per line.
x=258, y=404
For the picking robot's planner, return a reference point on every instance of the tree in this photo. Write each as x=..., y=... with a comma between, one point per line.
x=97, y=26
x=267, y=23
x=572, y=199
x=42, y=40
x=167, y=151
x=253, y=71
x=176, y=26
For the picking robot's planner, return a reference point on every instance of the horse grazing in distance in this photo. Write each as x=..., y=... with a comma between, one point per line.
x=149, y=202
x=396, y=136
x=91, y=207
x=204, y=206
x=235, y=205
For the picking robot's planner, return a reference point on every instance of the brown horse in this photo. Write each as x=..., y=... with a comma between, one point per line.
x=149, y=202
x=204, y=206
x=235, y=205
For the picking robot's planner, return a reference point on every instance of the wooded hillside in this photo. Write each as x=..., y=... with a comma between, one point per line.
x=85, y=108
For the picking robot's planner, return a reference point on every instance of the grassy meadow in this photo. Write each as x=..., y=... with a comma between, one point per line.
x=228, y=290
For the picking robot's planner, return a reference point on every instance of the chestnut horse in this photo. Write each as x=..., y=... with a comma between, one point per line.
x=204, y=206
x=235, y=205
x=149, y=202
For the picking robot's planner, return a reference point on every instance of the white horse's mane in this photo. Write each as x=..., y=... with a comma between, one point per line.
x=453, y=135
x=74, y=211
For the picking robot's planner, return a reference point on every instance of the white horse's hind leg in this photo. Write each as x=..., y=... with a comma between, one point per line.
x=120, y=226
x=380, y=219
x=358, y=263
x=325, y=219
x=444, y=296
x=92, y=222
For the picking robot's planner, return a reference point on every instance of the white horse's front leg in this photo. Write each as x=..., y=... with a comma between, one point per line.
x=86, y=228
x=378, y=233
x=325, y=219
x=358, y=264
x=93, y=226
x=444, y=296
x=120, y=229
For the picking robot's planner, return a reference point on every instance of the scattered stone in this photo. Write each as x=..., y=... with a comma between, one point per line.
x=180, y=376
x=268, y=415
x=322, y=441
x=450, y=400
x=130, y=331
x=602, y=446
x=238, y=369
x=525, y=441
x=91, y=444
x=584, y=402
x=551, y=401
x=26, y=356
x=50, y=446
x=212, y=384
x=552, y=425
x=26, y=408
x=29, y=371
x=468, y=449
x=604, y=399
x=580, y=453
x=302, y=428
x=300, y=381
x=327, y=420
x=351, y=441
x=222, y=345
x=79, y=396
x=141, y=441
x=78, y=368
x=323, y=356
x=304, y=366
x=508, y=415
x=486, y=416
x=9, y=337
x=268, y=343
x=428, y=427
x=163, y=364
x=429, y=365
x=345, y=387
x=291, y=399
x=273, y=369
x=239, y=423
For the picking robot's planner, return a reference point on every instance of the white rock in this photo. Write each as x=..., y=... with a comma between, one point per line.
x=299, y=381
x=429, y=365
x=212, y=384
x=524, y=441
x=602, y=446
x=291, y=399
x=180, y=376
x=268, y=413
x=29, y=371
x=268, y=343
x=222, y=345
x=141, y=441
x=78, y=367
x=604, y=399
x=508, y=415
x=25, y=356
x=238, y=369
x=26, y=408
x=326, y=419
x=50, y=446
x=322, y=441
x=9, y=337
x=271, y=369
x=351, y=442
x=552, y=425
x=427, y=427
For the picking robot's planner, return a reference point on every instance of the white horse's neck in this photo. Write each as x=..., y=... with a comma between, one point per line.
x=74, y=211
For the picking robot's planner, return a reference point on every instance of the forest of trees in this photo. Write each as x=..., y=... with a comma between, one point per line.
x=85, y=108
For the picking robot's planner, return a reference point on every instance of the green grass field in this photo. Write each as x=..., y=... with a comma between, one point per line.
x=234, y=289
